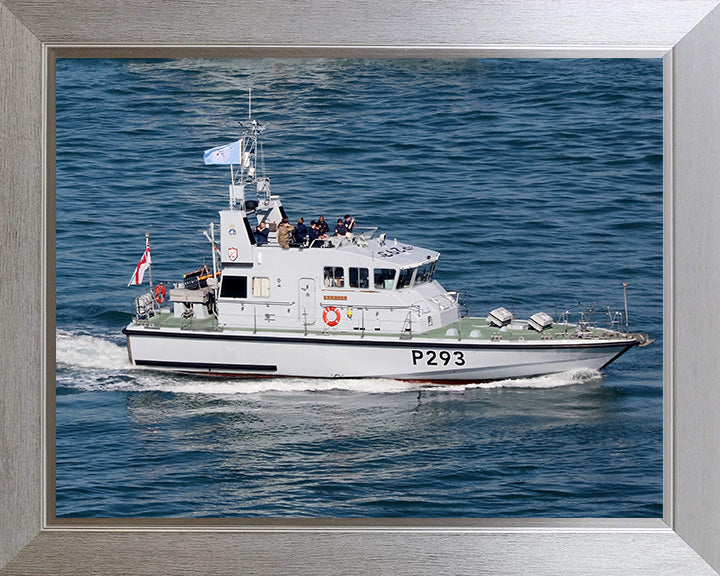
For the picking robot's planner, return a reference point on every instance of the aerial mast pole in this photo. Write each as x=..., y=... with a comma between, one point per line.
x=233, y=198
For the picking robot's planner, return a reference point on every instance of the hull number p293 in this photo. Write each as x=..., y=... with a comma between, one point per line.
x=441, y=358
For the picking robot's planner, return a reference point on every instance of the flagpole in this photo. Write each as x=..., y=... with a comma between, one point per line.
x=147, y=247
x=232, y=185
x=214, y=255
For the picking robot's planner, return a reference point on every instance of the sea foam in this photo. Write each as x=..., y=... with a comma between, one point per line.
x=86, y=351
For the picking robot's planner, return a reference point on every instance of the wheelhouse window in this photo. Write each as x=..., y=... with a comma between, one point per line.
x=405, y=277
x=233, y=287
x=359, y=278
x=334, y=276
x=425, y=272
x=261, y=287
x=384, y=278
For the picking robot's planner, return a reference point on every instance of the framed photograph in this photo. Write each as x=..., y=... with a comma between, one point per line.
x=489, y=160
x=410, y=539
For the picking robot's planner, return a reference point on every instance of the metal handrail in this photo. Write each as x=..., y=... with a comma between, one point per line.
x=257, y=302
x=146, y=306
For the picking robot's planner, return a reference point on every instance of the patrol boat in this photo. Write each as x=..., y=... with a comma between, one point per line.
x=351, y=306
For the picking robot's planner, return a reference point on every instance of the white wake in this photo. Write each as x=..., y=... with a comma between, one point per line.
x=85, y=351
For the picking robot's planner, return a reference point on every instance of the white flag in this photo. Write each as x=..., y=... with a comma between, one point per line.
x=228, y=154
x=143, y=265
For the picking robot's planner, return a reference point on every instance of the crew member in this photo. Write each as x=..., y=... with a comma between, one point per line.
x=323, y=227
x=349, y=225
x=340, y=229
x=284, y=232
x=301, y=231
x=261, y=233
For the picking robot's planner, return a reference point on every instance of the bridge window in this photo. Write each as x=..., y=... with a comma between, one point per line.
x=233, y=287
x=359, y=278
x=261, y=287
x=425, y=272
x=384, y=278
x=405, y=277
x=334, y=277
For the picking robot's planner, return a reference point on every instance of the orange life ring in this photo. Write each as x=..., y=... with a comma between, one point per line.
x=160, y=293
x=332, y=310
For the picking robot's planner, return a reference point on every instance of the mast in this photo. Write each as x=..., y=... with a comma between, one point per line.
x=242, y=156
x=249, y=150
x=147, y=249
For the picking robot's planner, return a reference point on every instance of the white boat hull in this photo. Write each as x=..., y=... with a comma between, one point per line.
x=334, y=356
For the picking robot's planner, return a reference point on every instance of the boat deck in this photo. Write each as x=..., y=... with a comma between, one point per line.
x=464, y=329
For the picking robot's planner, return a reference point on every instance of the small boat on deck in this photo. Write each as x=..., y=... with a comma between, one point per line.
x=351, y=305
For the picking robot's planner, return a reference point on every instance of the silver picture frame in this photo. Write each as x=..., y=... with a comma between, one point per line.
x=684, y=33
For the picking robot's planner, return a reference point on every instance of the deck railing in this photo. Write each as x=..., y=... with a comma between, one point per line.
x=145, y=307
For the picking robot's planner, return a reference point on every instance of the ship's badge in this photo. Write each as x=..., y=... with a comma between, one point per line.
x=232, y=231
x=232, y=254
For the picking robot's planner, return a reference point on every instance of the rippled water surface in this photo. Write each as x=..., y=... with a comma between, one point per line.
x=539, y=181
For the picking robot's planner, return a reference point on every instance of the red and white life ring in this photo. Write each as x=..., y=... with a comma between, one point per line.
x=160, y=293
x=333, y=320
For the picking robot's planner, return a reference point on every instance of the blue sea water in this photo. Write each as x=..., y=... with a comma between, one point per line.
x=539, y=181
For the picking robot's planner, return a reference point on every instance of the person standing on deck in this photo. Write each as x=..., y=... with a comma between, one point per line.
x=314, y=234
x=323, y=227
x=261, y=233
x=349, y=225
x=284, y=233
x=301, y=231
x=340, y=229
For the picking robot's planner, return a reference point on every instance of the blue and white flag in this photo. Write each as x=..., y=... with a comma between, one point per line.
x=228, y=154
